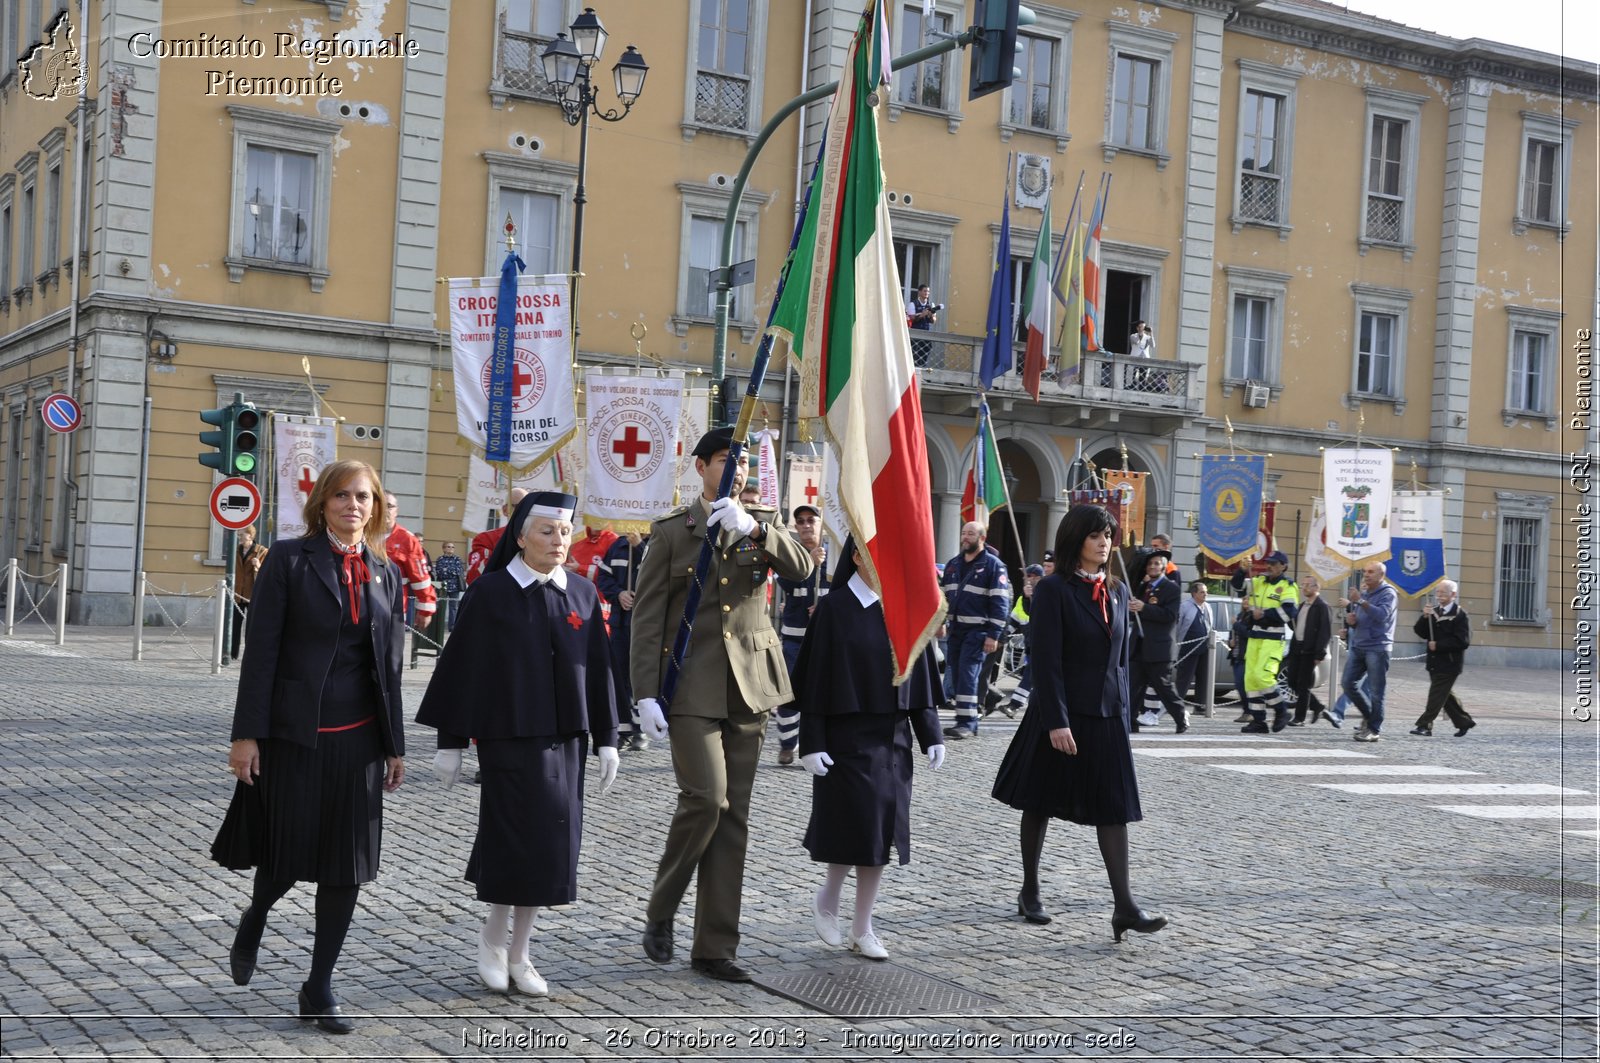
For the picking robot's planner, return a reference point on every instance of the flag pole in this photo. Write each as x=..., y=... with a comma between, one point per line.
x=1011, y=511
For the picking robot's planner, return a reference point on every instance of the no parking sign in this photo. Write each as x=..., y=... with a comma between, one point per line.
x=61, y=413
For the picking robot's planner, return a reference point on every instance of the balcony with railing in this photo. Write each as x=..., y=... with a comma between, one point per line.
x=1097, y=391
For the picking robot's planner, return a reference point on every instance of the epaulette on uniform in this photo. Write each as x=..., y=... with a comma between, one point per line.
x=676, y=511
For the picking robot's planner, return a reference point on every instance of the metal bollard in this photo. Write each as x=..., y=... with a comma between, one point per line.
x=138, y=621
x=1335, y=670
x=61, y=605
x=11, y=596
x=219, y=627
x=1211, y=672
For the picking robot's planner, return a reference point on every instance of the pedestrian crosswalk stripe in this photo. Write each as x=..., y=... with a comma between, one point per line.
x=1275, y=751
x=1464, y=789
x=1584, y=833
x=1344, y=769
x=1524, y=811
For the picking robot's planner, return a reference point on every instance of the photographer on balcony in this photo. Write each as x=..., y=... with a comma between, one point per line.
x=922, y=313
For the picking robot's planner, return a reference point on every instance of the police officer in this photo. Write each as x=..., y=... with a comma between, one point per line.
x=800, y=598
x=732, y=677
x=979, y=593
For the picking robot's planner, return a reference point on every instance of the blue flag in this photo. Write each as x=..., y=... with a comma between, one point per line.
x=502, y=361
x=1417, y=542
x=997, y=335
x=1230, y=506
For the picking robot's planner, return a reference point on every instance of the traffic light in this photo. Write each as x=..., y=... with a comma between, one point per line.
x=246, y=439
x=995, y=47
x=220, y=457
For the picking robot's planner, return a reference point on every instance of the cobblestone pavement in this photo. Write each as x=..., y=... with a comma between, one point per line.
x=1313, y=916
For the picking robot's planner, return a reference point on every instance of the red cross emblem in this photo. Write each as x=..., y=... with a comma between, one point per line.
x=306, y=481
x=811, y=490
x=630, y=447
x=574, y=620
x=520, y=379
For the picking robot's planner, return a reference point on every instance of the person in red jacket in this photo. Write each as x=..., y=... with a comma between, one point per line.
x=587, y=553
x=405, y=550
x=484, y=542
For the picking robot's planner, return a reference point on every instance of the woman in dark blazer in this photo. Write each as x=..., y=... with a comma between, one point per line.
x=318, y=734
x=1070, y=758
x=1313, y=630
x=856, y=729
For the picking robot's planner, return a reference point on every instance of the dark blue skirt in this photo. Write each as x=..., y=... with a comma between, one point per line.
x=1095, y=788
x=862, y=806
x=530, y=820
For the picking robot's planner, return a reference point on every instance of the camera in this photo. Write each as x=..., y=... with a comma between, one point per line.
x=938, y=307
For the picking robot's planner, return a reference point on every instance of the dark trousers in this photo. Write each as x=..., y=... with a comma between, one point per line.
x=1145, y=675
x=238, y=625
x=1194, y=663
x=619, y=642
x=1441, y=695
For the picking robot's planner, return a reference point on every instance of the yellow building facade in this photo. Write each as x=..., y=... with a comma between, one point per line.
x=1337, y=226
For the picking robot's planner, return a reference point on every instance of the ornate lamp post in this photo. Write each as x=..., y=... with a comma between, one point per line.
x=568, y=67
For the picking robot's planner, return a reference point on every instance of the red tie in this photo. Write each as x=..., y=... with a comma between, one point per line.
x=355, y=573
x=1097, y=591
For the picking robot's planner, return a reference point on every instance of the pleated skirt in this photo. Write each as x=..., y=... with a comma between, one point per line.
x=862, y=807
x=313, y=815
x=1096, y=787
x=530, y=820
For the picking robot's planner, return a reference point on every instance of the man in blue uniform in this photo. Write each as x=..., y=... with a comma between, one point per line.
x=800, y=599
x=979, y=595
x=617, y=577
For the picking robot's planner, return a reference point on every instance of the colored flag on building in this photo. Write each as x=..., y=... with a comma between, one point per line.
x=1066, y=284
x=1040, y=303
x=1230, y=505
x=1417, y=544
x=631, y=449
x=986, y=489
x=1093, y=284
x=996, y=359
x=1357, y=485
x=856, y=370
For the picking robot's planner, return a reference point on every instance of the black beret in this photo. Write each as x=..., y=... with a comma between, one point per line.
x=713, y=441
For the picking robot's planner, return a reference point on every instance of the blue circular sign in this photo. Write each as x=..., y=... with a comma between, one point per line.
x=61, y=413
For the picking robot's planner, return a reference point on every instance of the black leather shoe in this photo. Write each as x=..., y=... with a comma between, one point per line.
x=1138, y=921
x=1030, y=909
x=1461, y=732
x=721, y=970
x=241, y=964
x=658, y=940
x=329, y=1019
x=1254, y=727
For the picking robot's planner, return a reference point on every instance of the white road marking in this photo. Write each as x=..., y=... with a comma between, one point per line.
x=1584, y=833
x=1344, y=769
x=1463, y=789
x=1524, y=811
x=1275, y=752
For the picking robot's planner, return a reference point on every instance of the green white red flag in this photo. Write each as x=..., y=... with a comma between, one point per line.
x=1040, y=303
x=844, y=318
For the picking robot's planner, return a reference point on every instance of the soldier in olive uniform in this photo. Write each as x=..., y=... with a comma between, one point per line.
x=732, y=677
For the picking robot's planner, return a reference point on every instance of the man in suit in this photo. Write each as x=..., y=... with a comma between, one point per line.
x=1156, y=606
x=1194, y=632
x=1313, y=630
x=731, y=679
x=1448, y=631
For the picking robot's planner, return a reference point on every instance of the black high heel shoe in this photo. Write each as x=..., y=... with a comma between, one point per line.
x=329, y=1019
x=1031, y=910
x=1138, y=921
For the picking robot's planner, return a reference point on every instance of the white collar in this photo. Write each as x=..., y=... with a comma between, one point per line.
x=863, y=590
x=526, y=576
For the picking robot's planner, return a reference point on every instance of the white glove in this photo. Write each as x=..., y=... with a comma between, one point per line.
x=725, y=513
x=608, y=767
x=652, y=719
x=936, y=757
x=447, y=766
x=817, y=763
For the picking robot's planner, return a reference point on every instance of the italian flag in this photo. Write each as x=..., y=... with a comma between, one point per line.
x=844, y=318
x=986, y=487
x=1039, y=302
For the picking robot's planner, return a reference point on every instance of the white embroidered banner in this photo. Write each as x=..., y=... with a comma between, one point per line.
x=301, y=447
x=1357, y=486
x=631, y=452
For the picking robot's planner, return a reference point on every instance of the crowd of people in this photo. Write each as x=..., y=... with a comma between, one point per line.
x=565, y=647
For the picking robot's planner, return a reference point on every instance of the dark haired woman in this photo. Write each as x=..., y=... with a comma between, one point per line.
x=317, y=727
x=1070, y=758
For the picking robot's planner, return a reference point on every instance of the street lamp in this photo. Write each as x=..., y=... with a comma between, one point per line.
x=568, y=67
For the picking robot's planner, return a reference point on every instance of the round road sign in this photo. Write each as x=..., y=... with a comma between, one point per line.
x=61, y=413
x=235, y=503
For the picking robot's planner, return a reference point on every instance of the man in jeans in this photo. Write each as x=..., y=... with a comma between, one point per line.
x=1370, y=616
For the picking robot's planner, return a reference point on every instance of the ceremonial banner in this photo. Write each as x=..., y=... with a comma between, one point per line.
x=1266, y=543
x=487, y=491
x=805, y=483
x=1418, y=542
x=1326, y=565
x=632, y=450
x=767, y=467
x=301, y=448
x=1356, y=484
x=835, y=526
x=1130, y=487
x=538, y=369
x=1110, y=500
x=693, y=421
x=1230, y=505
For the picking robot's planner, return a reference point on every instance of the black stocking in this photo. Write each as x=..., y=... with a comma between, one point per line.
x=1114, y=851
x=265, y=893
x=1034, y=826
x=336, y=905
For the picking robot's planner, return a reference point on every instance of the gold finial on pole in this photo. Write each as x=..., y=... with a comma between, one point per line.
x=511, y=236
x=638, y=331
x=1122, y=448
